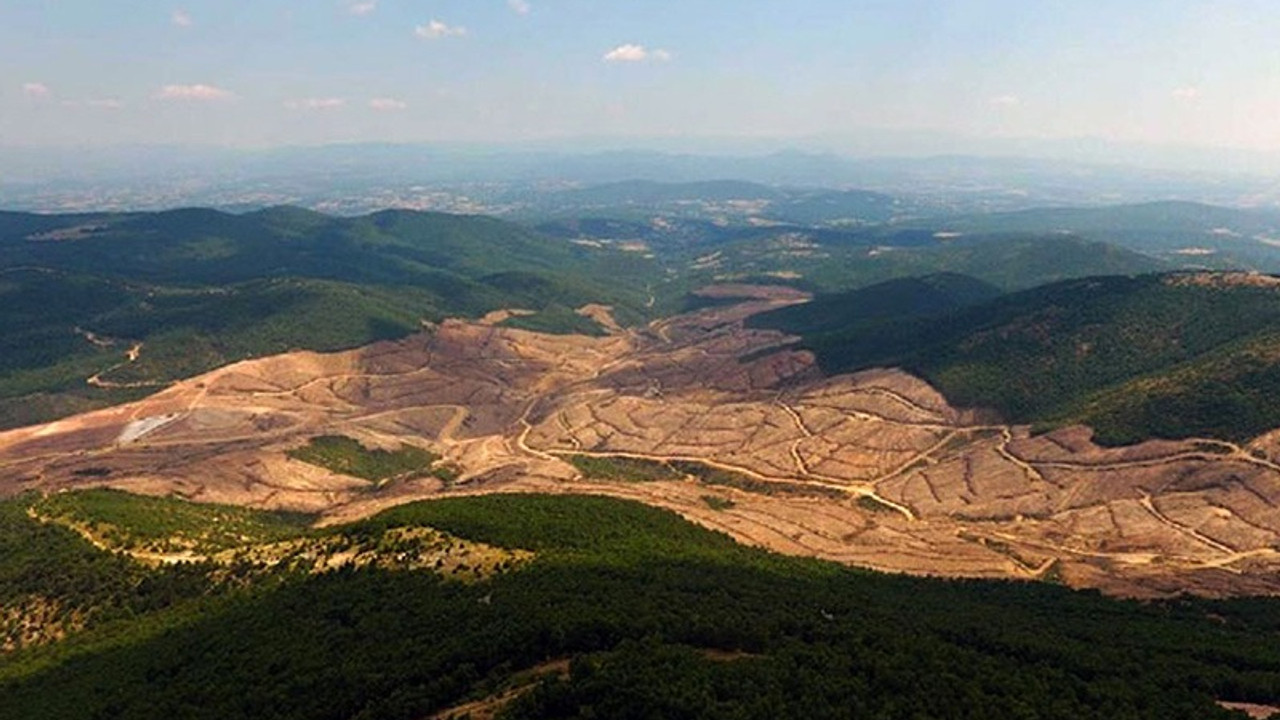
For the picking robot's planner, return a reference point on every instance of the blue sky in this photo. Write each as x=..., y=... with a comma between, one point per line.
x=273, y=72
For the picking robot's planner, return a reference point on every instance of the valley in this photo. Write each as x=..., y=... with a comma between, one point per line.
x=873, y=469
x=534, y=360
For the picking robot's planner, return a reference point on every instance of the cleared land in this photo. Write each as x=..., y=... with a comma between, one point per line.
x=874, y=469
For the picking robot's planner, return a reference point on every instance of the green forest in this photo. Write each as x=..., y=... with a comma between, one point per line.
x=197, y=289
x=650, y=616
x=1135, y=357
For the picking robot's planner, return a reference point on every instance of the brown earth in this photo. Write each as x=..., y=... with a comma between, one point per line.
x=1258, y=712
x=908, y=483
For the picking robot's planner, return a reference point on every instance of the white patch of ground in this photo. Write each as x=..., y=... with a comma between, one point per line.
x=139, y=429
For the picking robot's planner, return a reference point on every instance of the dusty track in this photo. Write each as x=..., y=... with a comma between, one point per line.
x=952, y=493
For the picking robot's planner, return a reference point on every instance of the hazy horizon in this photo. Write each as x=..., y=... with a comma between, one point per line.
x=870, y=78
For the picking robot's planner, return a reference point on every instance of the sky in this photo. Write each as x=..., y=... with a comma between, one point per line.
x=262, y=73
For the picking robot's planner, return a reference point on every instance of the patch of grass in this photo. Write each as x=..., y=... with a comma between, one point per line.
x=709, y=475
x=347, y=456
x=623, y=469
x=447, y=473
x=715, y=502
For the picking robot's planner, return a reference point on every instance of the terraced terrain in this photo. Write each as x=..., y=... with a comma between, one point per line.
x=874, y=469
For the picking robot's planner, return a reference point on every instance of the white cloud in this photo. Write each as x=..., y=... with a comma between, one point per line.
x=435, y=30
x=1006, y=101
x=104, y=104
x=181, y=18
x=636, y=53
x=387, y=104
x=1186, y=92
x=315, y=104
x=35, y=89
x=193, y=92
x=363, y=8
x=520, y=7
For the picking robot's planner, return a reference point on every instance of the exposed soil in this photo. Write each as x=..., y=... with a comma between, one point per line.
x=1260, y=712
x=928, y=488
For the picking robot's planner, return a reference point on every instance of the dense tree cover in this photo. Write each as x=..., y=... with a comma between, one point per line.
x=890, y=302
x=201, y=288
x=661, y=619
x=1135, y=357
x=1227, y=393
x=50, y=571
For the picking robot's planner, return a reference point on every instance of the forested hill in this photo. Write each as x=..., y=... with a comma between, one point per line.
x=1175, y=355
x=1178, y=232
x=200, y=288
x=563, y=607
x=195, y=246
x=892, y=301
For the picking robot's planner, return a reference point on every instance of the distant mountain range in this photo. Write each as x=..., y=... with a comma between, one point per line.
x=375, y=176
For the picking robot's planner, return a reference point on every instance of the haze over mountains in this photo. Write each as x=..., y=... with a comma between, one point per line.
x=359, y=178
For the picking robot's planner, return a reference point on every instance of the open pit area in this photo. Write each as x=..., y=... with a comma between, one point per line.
x=874, y=469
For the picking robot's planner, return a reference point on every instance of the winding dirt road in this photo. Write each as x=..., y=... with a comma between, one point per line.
x=952, y=492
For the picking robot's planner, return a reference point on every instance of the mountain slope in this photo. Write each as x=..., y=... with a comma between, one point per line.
x=618, y=610
x=138, y=300
x=894, y=301
x=1179, y=355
